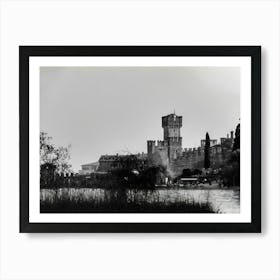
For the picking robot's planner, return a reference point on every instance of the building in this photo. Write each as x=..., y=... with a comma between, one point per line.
x=169, y=152
x=88, y=168
x=113, y=162
x=171, y=146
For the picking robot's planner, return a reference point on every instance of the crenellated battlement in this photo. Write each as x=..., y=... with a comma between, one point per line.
x=172, y=120
x=161, y=144
x=157, y=144
x=170, y=152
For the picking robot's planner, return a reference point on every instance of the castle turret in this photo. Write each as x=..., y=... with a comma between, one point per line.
x=171, y=125
x=151, y=146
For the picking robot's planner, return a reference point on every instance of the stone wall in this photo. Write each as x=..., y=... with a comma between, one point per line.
x=194, y=158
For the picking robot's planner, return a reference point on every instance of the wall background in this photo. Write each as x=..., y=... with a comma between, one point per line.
x=139, y=256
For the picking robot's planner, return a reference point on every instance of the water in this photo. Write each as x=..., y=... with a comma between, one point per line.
x=222, y=200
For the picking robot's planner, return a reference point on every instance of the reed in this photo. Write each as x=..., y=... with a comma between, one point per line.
x=119, y=201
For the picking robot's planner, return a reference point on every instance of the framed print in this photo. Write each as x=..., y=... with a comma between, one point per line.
x=140, y=138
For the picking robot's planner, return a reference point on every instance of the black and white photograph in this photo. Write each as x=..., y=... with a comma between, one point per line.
x=140, y=139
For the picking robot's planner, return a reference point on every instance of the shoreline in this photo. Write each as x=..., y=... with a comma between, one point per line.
x=200, y=187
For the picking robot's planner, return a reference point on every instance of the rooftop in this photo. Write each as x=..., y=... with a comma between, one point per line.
x=90, y=164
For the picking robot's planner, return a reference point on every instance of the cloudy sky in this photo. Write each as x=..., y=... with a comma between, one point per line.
x=108, y=110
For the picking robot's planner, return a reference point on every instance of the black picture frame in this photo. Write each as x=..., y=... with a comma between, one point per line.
x=25, y=52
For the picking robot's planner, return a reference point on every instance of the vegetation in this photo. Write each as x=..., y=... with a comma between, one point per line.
x=231, y=172
x=111, y=203
x=236, y=144
x=50, y=155
x=191, y=172
x=53, y=160
x=207, y=152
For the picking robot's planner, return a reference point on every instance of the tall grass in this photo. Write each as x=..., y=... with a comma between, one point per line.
x=118, y=201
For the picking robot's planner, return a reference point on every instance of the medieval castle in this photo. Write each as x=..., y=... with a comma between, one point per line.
x=169, y=152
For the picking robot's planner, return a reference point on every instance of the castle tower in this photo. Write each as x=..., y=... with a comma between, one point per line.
x=171, y=125
x=151, y=146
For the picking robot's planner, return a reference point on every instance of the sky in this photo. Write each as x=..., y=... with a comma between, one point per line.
x=109, y=110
